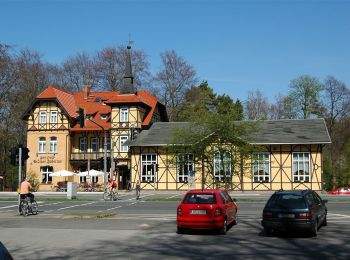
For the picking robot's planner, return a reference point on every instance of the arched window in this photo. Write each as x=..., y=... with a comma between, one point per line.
x=301, y=167
x=222, y=166
x=261, y=167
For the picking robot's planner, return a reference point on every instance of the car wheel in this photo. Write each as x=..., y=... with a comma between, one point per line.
x=268, y=231
x=324, y=223
x=235, y=220
x=180, y=230
x=223, y=230
x=314, y=229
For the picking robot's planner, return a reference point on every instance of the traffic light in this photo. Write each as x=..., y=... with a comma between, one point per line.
x=134, y=133
x=25, y=153
x=14, y=156
x=81, y=117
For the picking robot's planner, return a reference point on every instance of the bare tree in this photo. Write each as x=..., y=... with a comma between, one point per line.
x=175, y=78
x=282, y=108
x=110, y=67
x=77, y=72
x=257, y=106
x=336, y=101
x=7, y=76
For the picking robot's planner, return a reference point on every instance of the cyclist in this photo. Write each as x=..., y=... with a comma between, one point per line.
x=112, y=184
x=138, y=189
x=25, y=188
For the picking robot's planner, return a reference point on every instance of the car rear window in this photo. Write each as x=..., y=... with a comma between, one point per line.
x=287, y=201
x=203, y=198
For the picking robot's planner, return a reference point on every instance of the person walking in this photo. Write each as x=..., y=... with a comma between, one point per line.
x=138, y=190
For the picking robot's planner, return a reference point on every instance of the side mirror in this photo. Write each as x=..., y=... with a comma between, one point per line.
x=235, y=200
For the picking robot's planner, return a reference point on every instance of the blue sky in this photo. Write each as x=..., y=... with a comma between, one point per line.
x=238, y=46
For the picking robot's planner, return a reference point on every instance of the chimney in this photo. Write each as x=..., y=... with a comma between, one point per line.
x=87, y=92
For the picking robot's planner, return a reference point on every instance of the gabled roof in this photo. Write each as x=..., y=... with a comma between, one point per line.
x=65, y=99
x=303, y=131
x=95, y=105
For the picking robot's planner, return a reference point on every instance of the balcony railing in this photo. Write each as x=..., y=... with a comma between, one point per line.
x=88, y=155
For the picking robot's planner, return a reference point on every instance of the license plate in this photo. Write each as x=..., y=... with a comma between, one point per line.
x=198, y=211
x=281, y=215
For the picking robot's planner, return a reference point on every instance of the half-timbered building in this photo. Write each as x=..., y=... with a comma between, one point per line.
x=288, y=156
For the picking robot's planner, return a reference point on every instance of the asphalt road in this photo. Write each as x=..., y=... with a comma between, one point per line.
x=130, y=229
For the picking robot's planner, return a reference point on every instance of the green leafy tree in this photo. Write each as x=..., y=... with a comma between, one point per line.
x=202, y=100
x=213, y=132
x=305, y=95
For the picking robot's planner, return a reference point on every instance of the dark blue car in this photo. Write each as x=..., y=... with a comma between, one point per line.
x=294, y=210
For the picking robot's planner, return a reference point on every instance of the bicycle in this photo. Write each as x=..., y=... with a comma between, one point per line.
x=110, y=195
x=25, y=207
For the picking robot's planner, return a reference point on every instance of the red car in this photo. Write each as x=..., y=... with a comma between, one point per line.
x=206, y=209
x=342, y=190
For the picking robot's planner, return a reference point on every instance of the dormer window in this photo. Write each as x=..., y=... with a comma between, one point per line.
x=89, y=117
x=42, y=117
x=103, y=117
x=124, y=114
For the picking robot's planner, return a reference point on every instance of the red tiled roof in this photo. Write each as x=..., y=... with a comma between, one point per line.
x=65, y=99
x=95, y=105
x=152, y=101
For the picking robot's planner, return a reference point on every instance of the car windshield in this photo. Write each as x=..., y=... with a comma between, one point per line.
x=286, y=201
x=203, y=198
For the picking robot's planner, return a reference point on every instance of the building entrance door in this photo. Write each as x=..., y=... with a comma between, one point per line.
x=124, y=177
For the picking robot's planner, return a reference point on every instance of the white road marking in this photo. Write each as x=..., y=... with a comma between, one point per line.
x=177, y=195
x=338, y=215
x=73, y=206
x=9, y=206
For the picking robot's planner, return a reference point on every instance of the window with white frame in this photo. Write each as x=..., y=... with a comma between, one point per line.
x=42, y=144
x=301, y=167
x=53, y=117
x=148, y=167
x=124, y=114
x=185, y=165
x=122, y=140
x=94, y=144
x=42, y=117
x=82, y=179
x=45, y=174
x=261, y=167
x=94, y=179
x=82, y=144
x=222, y=166
x=53, y=144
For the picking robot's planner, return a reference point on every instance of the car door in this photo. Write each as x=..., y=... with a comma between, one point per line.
x=321, y=208
x=229, y=205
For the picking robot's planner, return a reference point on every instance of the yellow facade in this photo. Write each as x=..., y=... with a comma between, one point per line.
x=67, y=154
x=55, y=145
x=280, y=170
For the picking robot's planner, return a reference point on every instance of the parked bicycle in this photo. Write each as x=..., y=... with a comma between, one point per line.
x=26, y=207
x=110, y=195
